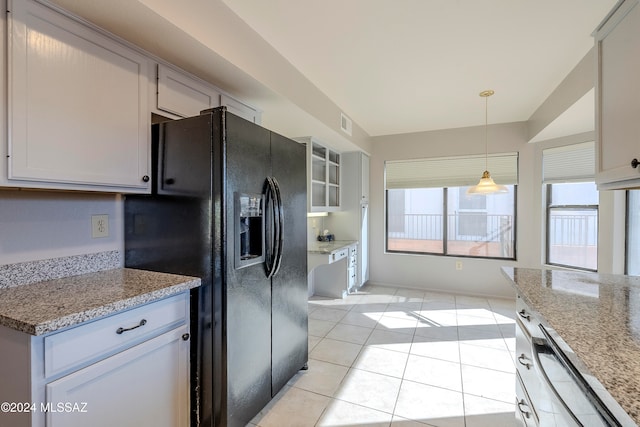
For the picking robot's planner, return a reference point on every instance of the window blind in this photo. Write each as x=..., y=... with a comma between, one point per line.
x=570, y=163
x=459, y=171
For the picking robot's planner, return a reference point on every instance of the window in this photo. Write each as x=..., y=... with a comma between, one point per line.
x=572, y=225
x=429, y=212
x=572, y=206
x=633, y=232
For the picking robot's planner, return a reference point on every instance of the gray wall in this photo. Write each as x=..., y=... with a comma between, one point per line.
x=481, y=276
x=37, y=225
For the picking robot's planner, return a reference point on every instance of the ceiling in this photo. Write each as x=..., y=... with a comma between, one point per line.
x=392, y=66
x=415, y=65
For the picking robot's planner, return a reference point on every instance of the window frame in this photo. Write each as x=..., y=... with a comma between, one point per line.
x=627, y=233
x=445, y=229
x=548, y=207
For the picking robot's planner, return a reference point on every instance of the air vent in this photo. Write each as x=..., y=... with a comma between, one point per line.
x=345, y=124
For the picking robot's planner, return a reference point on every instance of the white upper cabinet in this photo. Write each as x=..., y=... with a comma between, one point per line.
x=618, y=98
x=242, y=110
x=183, y=96
x=78, y=115
x=324, y=176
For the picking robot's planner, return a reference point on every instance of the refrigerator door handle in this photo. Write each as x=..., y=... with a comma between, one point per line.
x=280, y=219
x=274, y=255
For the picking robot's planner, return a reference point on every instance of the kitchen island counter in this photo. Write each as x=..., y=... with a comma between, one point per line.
x=44, y=307
x=596, y=318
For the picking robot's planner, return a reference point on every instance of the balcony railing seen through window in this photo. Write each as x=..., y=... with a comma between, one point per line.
x=467, y=234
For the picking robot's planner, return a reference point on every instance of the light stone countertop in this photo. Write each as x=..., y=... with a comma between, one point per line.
x=325, y=248
x=598, y=317
x=47, y=306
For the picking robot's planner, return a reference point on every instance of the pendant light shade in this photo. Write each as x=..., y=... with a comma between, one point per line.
x=486, y=184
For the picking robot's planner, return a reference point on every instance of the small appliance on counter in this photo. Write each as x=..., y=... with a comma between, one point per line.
x=326, y=237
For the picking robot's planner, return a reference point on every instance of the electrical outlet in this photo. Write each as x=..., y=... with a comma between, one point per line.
x=99, y=226
x=458, y=265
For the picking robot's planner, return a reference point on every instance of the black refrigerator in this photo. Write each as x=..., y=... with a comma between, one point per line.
x=228, y=204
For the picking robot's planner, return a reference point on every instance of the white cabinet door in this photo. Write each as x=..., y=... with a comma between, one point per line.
x=364, y=178
x=240, y=109
x=146, y=385
x=618, y=98
x=324, y=177
x=182, y=95
x=78, y=108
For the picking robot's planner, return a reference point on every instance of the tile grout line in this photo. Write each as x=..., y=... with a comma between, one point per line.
x=464, y=409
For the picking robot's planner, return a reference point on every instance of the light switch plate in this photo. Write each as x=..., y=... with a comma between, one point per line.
x=99, y=226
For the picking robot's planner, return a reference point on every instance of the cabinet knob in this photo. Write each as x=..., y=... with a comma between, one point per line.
x=634, y=163
x=185, y=337
x=145, y=178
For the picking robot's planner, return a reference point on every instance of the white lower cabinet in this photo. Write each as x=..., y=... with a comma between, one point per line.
x=334, y=274
x=352, y=269
x=142, y=386
x=127, y=369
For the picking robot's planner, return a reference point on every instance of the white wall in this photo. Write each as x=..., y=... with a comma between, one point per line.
x=478, y=276
x=37, y=225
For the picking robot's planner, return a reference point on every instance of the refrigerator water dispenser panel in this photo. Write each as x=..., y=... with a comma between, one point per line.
x=249, y=228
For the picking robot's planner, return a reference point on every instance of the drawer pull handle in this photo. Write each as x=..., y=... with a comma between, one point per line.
x=522, y=403
x=121, y=330
x=524, y=314
x=634, y=163
x=522, y=358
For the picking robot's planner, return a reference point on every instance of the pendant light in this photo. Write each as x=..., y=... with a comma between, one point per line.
x=486, y=184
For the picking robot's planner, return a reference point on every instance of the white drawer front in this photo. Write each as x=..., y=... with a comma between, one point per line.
x=95, y=340
x=527, y=318
x=342, y=253
x=525, y=415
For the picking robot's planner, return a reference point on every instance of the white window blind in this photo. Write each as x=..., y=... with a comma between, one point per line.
x=440, y=172
x=570, y=163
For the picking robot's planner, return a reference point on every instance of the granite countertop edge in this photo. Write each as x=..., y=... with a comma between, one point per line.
x=327, y=248
x=41, y=320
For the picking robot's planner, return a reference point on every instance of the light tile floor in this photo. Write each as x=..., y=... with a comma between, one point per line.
x=400, y=357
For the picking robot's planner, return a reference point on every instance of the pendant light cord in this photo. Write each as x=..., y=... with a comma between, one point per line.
x=486, y=94
x=486, y=138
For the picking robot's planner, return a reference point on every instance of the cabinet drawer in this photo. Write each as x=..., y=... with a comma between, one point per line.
x=525, y=415
x=528, y=320
x=353, y=261
x=351, y=277
x=342, y=253
x=524, y=365
x=96, y=340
